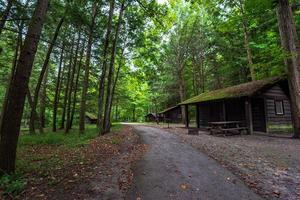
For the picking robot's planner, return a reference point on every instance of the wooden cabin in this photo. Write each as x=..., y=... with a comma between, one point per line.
x=171, y=115
x=90, y=118
x=262, y=106
x=151, y=117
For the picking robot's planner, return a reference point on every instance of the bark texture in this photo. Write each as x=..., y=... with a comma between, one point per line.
x=41, y=78
x=57, y=89
x=104, y=66
x=17, y=90
x=87, y=72
x=111, y=72
x=289, y=42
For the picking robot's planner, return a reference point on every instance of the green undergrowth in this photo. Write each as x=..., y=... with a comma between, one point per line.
x=11, y=185
x=72, y=139
x=42, y=154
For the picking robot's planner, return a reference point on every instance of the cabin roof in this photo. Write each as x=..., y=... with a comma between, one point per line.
x=168, y=109
x=151, y=114
x=91, y=115
x=243, y=90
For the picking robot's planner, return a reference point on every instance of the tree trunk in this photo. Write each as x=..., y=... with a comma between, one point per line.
x=289, y=42
x=110, y=82
x=116, y=79
x=43, y=96
x=247, y=41
x=12, y=115
x=14, y=64
x=133, y=113
x=63, y=116
x=104, y=66
x=76, y=84
x=68, y=122
x=5, y=14
x=57, y=89
x=41, y=77
x=87, y=72
x=182, y=92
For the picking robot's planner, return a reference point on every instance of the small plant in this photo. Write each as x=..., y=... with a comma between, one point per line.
x=12, y=184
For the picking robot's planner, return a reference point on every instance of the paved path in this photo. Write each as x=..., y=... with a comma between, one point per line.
x=174, y=170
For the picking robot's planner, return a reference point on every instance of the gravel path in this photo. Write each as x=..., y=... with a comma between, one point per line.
x=173, y=170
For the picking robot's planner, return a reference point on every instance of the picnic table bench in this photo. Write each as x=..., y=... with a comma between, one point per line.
x=226, y=127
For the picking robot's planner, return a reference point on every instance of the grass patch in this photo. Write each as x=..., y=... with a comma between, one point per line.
x=116, y=127
x=72, y=139
x=11, y=185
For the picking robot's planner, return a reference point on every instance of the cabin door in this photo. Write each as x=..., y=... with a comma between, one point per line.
x=258, y=115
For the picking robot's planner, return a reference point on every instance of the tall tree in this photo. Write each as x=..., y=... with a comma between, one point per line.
x=41, y=78
x=67, y=86
x=43, y=97
x=71, y=87
x=12, y=115
x=76, y=83
x=110, y=82
x=57, y=89
x=247, y=37
x=289, y=42
x=87, y=70
x=104, y=65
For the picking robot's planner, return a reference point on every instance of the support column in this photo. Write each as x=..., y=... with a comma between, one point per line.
x=223, y=111
x=249, y=118
x=197, y=115
x=186, y=112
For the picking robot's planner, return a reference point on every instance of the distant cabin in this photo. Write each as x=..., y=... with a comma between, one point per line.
x=90, y=118
x=151, y=117
x=172, y=114
x=263, y=106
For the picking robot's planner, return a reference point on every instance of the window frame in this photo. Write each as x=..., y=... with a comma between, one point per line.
x=276, y=108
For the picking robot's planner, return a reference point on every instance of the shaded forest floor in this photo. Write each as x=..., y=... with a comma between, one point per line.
x=76, y=167
x=270, y=166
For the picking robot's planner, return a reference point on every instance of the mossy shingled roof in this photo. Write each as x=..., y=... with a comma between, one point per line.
x=243, y=90
x=168, y=109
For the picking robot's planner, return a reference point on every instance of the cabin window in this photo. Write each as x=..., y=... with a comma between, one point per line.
x=279, y=108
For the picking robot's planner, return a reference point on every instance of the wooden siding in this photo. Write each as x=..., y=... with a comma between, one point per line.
x=271, y=95
x=173, y=115
x=275, y=92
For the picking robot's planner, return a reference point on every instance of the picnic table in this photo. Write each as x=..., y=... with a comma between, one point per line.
x=225, y=127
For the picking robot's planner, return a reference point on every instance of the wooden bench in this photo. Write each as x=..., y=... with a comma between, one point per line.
x=226, y=127
x=238, y=129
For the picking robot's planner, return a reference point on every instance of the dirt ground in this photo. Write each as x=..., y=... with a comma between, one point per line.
x=99, y=170
x=270, y=166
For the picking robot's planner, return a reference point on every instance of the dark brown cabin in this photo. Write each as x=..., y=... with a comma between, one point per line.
x=263, y=106
x=90, y=118
x=171, y=115
x=151, y=117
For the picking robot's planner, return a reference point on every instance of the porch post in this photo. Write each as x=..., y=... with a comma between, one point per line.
x=197, y=115
x=223, y=111
x=186, y=112
x=248, y=113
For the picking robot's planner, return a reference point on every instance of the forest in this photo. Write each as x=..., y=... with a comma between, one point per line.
x=62, y=61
